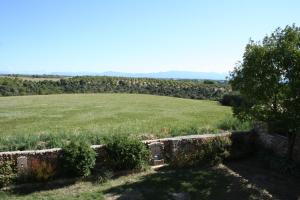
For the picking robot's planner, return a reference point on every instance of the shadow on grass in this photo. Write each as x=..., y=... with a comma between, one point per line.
x=184, y=184
x=31, y=188
x=187, y=184
x=281, y=186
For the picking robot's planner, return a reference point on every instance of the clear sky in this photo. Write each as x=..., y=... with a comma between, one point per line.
x=134, y=35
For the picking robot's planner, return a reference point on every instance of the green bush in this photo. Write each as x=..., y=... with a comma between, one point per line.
x=232, y=123
x=7, y=175
x=231, y=100
x=126, y=153
x=78, y=159
x=209, y=152
x=209, y=82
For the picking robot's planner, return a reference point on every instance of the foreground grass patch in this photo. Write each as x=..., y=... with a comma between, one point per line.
x=36, y=122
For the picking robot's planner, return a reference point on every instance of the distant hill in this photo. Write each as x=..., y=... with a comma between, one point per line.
x=171, y=74
x=160, y=75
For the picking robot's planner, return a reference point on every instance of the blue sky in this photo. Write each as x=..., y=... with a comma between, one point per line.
x=134, y=35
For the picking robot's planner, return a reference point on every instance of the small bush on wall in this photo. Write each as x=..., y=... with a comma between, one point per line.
x=208, y=152
x=7, y=175
x=126, y=153
x=78, y=159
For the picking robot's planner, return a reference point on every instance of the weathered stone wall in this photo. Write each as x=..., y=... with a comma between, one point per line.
x=29, y=162
x=161, y=150
x=274, y=142
x=23, y=161
x=243, y=143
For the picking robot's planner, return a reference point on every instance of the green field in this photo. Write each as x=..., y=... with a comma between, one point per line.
x=94, y=115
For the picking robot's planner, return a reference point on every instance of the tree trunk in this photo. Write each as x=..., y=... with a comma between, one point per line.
x=291, y=144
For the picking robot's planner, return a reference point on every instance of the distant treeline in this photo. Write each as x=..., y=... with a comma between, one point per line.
x=194, y=89
x=34, y=75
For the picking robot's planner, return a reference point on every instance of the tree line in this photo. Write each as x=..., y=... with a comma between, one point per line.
x=193, y=89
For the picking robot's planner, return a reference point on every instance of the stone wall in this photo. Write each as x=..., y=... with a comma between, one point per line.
x=243, y=143
x=162, y=150
x=28, y=162
x=275, y=142
x=24, y=162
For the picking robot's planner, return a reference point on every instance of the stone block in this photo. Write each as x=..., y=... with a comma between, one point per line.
x=156, y=149
x=158, y=162
x=22, y=165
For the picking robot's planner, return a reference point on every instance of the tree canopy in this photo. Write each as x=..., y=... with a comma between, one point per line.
x=268, y=78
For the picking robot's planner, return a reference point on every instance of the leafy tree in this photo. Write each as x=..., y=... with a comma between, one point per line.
x=268, y=79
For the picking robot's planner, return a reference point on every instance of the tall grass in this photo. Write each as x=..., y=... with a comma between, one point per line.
x=48, y=140
x=52, y=140
x=193, y=130
x=45, y=141
x=234, y=124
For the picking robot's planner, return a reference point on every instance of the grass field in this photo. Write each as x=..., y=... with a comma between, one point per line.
x=94, y=115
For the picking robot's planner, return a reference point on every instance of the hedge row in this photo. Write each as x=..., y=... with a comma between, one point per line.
x=193, y=89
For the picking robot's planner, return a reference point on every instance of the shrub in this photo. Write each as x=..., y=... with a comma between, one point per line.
x=208, y=152
x=7, y=175
x=126, y=153
x=78, y=159
x=232, y=123
x=231, y=100
x=209, y=82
